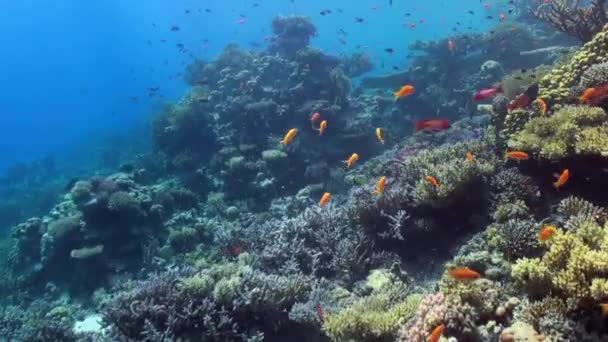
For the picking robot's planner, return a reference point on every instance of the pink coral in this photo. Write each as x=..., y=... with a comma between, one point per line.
x=430, y=313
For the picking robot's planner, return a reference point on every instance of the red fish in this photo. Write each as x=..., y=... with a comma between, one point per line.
x=432, y=125
x=489, y=93
x=524, y=100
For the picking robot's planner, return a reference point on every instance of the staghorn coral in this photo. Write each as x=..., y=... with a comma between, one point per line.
x=555, y=86
x=571, y=131
x=228, y=301
x=571, y=17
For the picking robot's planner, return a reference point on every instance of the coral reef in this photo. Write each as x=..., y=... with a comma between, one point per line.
x=574, y=265
x=555, y=86
x=571, y=131
x=216, y=234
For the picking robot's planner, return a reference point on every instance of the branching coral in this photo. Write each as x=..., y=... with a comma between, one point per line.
x=515, y=238
x=569, y=16
x=571, y=131
x=373, y=318
x=574, y=266
x=451, y=169
x=548, y=316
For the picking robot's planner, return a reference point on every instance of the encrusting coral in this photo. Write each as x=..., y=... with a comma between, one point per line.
x=571, y=131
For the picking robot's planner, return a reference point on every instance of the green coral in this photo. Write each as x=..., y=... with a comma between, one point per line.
x=575, y=265
x=374, y=318
x=455, y=174
x=555, y=86
x=571, y=131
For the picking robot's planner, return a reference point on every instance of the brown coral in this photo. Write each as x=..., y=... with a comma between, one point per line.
x=573, y=18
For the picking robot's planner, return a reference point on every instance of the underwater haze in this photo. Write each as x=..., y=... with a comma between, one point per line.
x=288, y=170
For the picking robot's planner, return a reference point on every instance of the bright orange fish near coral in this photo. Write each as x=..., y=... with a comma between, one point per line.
x=406, y=90
x=604, y=309
x=463, y=273
x=594, y=95
x=517, y=155
x=546, y=233
x=432, y=180
x=322, y=127
x=470, y=157
x=380, y=185
x=451, y=46
x=380, y=135
x=562, y=179
x=541, y=105
x=324, y=199
x=351, y=160
x=436, y=333
x=289, y=136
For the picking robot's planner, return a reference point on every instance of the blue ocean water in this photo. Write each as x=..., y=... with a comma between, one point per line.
x=74, y=72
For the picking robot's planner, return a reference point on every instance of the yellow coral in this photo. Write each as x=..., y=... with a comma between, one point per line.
x=574, y=265
x=564, y=76
x=371, y=319
x=572, y=130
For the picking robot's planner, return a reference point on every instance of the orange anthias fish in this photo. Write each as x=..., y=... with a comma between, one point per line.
x=380, y=185
x=324, y=199
x=470, y=157
x=380, y=135
x=436, y=333
x=432, y=180
x=463, y=273
x=322, y=127
x=315, y=116
x=541, y=105
x=517, y=155
x=451, y=45
x=562, y=179
x=431, y=125
x=594, y=95
x=604, y=308
x=546, y=233
x=351, y=161
x=289, y=136
x=404, y=91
